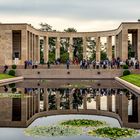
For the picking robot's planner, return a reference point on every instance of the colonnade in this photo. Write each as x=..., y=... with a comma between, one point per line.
x=34, y=48
x=26, y=46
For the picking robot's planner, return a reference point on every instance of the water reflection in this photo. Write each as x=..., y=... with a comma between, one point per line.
x=20, y=111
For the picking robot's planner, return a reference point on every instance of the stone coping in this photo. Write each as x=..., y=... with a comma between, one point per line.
x=11, y=80
x=128, y=85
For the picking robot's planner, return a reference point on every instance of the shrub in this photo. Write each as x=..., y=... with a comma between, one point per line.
x=125, y=66
x=12, y=85
x=14, y=66
x=11, y=72
x=126, y=72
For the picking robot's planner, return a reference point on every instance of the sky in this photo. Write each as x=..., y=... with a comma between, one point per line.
x=83, y=15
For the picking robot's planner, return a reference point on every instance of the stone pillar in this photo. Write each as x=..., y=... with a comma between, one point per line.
x=58, y=100
x=123, y=110
x=84, y=48
x=7, y=50
x=85, y=102
x=124, y=45
x=138, y=105
x=134, y=43
x=46, y=101
x=34, y=103
x=98, y=55
x=28, y=100
x=71, y=100
x=37, y=49
x=71, y=49
x=109, y=47
x=28, y=45
x=117, y=103
x=33, y=46
x=116, y=50
x=46, y=49
x=38, y=102
x=24, y=47
x=109, y=103
x=57, y=51
x=97, y=102
x=138, y=43
x=24, y=115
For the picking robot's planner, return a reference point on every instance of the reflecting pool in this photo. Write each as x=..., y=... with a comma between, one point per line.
x=45, y=102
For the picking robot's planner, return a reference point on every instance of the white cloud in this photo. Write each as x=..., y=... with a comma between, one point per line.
x=84, y=15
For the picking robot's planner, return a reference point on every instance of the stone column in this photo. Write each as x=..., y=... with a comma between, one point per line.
x=109, y=47
x=98, y=55
x=138, y=105
x=24, y=115
x=116, y=50
x=33, y=52
x=123, y=108
x=71, y=100
x=134, y=43
x=28, y=99
x=109, y=103
x=85, y=102
x=84, y=48
x=117, y=103
x=124, y=45
x=138, y=42
x=46, y=49
x=24, y=47
x=38, y=102
x=37, y=49
x=57, y=51
x=28, y=45
x=46, y=101
x=32, y=47
x=97, y=102
x=71, y=49
x=58, y=100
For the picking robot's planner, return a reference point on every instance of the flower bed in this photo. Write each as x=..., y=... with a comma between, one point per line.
x=84, y=123
x=113, y=133
x=52, y=131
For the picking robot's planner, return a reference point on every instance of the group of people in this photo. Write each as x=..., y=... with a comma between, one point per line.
x=85, y=64
x=113, y=64
x=30, y=63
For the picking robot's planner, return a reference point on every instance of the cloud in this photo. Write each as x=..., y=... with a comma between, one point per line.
x=82, y=9
x=70, y=11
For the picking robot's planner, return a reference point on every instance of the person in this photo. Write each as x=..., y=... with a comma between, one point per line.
x=25, y=64
x=48, y=64
x=68, y=64
x=5, y=68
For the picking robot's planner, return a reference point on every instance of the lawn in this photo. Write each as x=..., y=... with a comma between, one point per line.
x=5, y=76
x=132, y=78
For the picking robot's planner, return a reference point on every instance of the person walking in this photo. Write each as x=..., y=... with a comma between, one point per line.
x=68, y=63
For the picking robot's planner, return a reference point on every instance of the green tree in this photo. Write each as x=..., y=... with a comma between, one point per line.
x=70, y=30
x=45, y=27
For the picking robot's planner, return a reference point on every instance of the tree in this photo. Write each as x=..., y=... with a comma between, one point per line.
x=45, y=27
x=70, y=30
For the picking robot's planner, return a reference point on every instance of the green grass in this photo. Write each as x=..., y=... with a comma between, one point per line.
x=114, y=133
x=132, y=78
x=5, y=76
x=83, y=123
